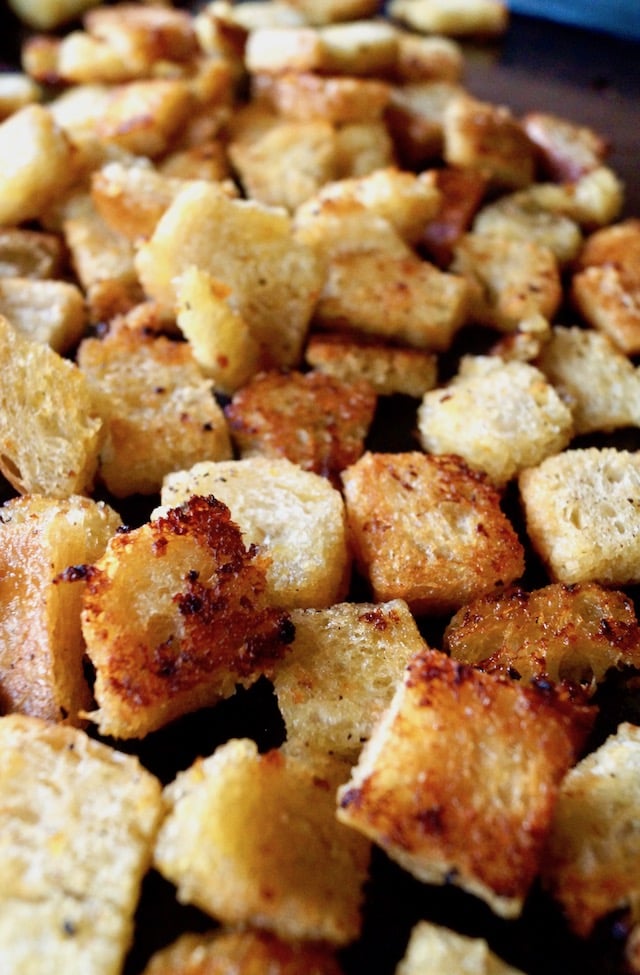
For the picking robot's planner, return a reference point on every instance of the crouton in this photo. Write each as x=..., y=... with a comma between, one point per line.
x=433, y=949
x=573, y=634
x=16, y=91
x=566, y=149
x=428, y=530
x=530, y=215
x=359, y=47
x=45, y=546
x=280, y=49
x=605, y=301
x=617, y=245
x=460, y=195
x=581, y=509
x=486, y=137
x=341, y=673
x=293, y=516
x=51, y=312
x=363, y=147
x=388, y=369
x=424, y=58
x=49, y=14
x=131, y=199
x=144, y=116
x=338, y=99
x=144, y=35
x=274, y=279
x=509, y=280
x=339, y=225
x=98, y=253
x=459, y=18
x=415, y=117
x=253, y=839
x=599, y=384
x=78, y=821
x=333, y=11
x=30, y=254
x=471, y=807
x=245, y=951
x=588, y=866
x=318, y=422
x=201, y=625
x=49, y=429
x=499, y=416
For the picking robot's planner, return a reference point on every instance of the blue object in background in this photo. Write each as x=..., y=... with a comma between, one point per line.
x=619, y=17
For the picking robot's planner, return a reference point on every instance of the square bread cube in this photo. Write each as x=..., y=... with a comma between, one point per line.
x=486, y=137
x=337, y=99
x=253, y=839
x=341, y=672
x=582, y=510
x=77, y=825
x=461, y=194
x=567, y=149
x=592, y=851
x=471, y=807
x=201, y=624
x=429, y=530
x=499, y=416
x=459, y=18
x=415, y=117
x=295, y=517
x=159, y=413
x=433, y=950
x=33, y=254
x=312, y=419
x=51, y=312
x=45, y=546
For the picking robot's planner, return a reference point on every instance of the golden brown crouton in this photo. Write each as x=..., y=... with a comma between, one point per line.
x=294, y=517
x=17, y=90
x=389, y=369
x=459, y=18
x=51, y=312
x=45, y=546
x=131, y=199
x=582, y=512
x=314, y=420
x=98, y=253
x=473, y=806
x=77, y=824
x=415, y=117
x=144, y=35
x=30, y=254
x=242, y=952
x=338, y=99
x=253, y=839
x=49, y=14
x=49, y=428
x=590, y=858
x=334, y=11
x=158, y=411
x=341, y=673
x=499, y=416
x=200, y=626
x=433, y=949
x=144, y=116
x=429, y=530
x=573, y=634
x=566, y=149
x=428, y=58
x=461, y=193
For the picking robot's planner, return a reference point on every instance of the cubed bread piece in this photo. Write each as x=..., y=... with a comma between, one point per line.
x=459, y=18
x=359, y=47
x=461, y=193
x=340, y=225
x=131, y=199
x=50, y=312
x=333, y=11
x=500, y=416
x=415, y=117
x=589, y=862
x=338, y=99
x=566, y=149
x=617, y=245
x=428, y=58
x=531, y=215
x=403, y=299
x=49, y=14
x=78, y=821
x=433, y=949
x=363, y=147
x=582, y=511
x=16, y=91
x=573, y=634
x=295, y=517
x=144, y=35
x=389, y=369
x=36, y=162
x=33, y=254
x=470, y=807
x=274, y=279
x=243, y=952
x=509, y=280
x=98, y=252
x=429, y=530
x=596, y=380
x=144, y=117
x=314, y=420
x=275, y=50
x=486, y=137
x=253, y=839
x=45, y=546
x=341, y=673
x=49, y=426
x=175, y=615
x=158, y=411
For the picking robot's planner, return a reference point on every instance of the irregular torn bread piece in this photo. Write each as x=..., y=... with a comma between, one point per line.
x=459, y=18
x=51, y=311
x=433, y=949
x=199, y=627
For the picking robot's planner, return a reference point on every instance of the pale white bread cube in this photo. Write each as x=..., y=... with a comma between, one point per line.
x=78, y=822
x=599, y=383
x=593, y=846
x=582, y=511
x=201, y=625
x=459, y=18
x=50, y=429
x=295, y=517
x=500, y=416
x=158, y=411
x=250, y=248
x=358, y=47
x=45, y=545
x=279, y=49
x=246, y=951
x=51, y=312
x=36, y=161
x=132, y=198
x=341, y=673
x=428, y=530
x=473, y=806
x=253, y=839
x=433, y=950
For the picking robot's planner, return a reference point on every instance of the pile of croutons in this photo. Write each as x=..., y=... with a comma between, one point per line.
x=232, y=239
